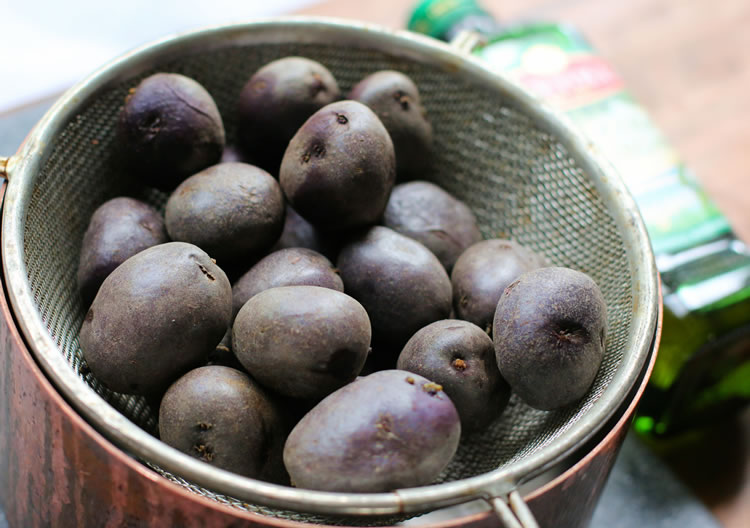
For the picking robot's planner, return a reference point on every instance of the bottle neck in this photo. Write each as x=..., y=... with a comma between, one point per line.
x=445, y=19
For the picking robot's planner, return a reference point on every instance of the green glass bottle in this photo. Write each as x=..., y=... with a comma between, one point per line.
x=702, y=372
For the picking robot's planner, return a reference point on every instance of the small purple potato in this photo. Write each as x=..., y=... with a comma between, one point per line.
x=276, y=101
x=459, y=356
x=549, y=333
x=222, y=417
x=395, y=99
x=157, y=315
x=286, y=267
x=169, y=129
x=401, y=284
x=118, y=229
x=339, y=168
x=481, y=274
x=389, y=430
x=230, y=210
x=299, y=233
x=425, y=212
x=302, y=341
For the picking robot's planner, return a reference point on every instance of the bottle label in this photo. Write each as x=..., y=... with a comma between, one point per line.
x=560, y=68
x=436, y=17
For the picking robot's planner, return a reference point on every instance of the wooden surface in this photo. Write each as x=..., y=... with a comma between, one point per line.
x=687, y=61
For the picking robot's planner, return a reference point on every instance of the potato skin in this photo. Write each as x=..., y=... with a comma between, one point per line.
x=299, y=233
x=276, y=101
x=389, y=430
x=286, y=267
x=230, y=210
x=222, y=417
x=423, y=211
x=401, y=284
x=339, y=168
x=118, y=229
x=396, y=101
x=481, y=274
x=302, y=341
x=549, y=333
x=156, y=315
x=169, y=129
x=460, y=357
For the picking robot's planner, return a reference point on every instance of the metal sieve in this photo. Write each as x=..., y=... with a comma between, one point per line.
x=526, y=174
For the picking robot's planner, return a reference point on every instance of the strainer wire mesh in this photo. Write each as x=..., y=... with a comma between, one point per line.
x=519, y=180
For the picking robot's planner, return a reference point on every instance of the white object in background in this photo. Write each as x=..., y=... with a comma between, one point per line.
x=46, y=46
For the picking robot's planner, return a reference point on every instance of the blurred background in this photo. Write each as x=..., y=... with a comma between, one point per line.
x=48, y=46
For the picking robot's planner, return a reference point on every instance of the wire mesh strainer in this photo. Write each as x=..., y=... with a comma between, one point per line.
x=522, y=171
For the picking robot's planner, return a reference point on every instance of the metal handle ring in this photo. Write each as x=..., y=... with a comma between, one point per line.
x=514, y=513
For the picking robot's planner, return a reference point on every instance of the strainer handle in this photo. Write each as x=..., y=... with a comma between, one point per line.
x=514, y=513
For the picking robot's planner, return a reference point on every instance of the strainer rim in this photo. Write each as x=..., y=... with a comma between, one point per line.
x=116, y=427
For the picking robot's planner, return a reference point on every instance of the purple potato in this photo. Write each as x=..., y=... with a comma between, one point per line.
x=221, y=416
x=549, y=333
x=459, y=356
x=299, y=233
x=395, y=100
x=119, y=228
x=339, y=168
x=401, y=284
x=169, y=129
x=389, y=430
x=302, y=341
x=157, y=315
x=481, y=274
x=286, y=267
x=276, y=101
x=425, y=212
x=230, y=210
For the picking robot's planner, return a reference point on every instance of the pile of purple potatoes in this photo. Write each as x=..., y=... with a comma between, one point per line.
x=273, y=362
